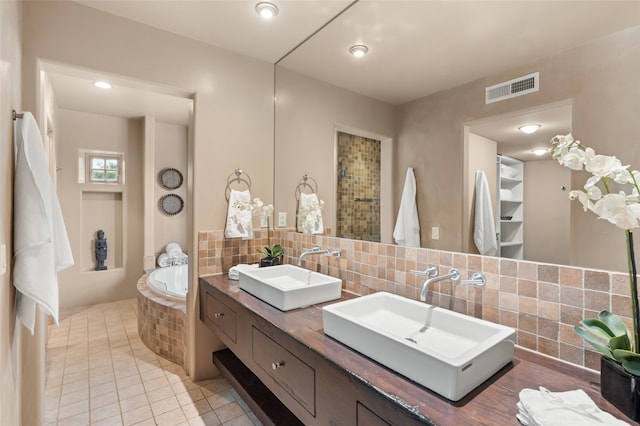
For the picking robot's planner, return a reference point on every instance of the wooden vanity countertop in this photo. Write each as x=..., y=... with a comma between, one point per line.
x=493, y=403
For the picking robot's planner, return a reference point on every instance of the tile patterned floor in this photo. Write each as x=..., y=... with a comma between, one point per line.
x=98, y=372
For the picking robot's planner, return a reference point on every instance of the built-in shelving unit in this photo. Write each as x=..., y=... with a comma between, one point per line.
x=510, y=207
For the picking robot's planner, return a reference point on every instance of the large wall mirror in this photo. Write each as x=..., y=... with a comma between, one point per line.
x=421, y=90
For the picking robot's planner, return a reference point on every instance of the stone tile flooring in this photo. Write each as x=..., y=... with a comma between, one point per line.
x=98, y=372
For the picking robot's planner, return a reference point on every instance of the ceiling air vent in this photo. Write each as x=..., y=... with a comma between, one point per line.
x=512, y=88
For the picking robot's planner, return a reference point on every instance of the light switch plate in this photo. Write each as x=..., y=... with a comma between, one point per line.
x=3, y=259
x=263, y=221
x=435, y=233
x=282, y=219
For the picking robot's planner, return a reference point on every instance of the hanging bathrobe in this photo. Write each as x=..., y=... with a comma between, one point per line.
x=40, y=243
x=407, y=230
x=484, y=233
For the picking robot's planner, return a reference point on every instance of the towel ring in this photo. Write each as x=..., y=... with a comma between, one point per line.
x=304, y=182
x=239, y=176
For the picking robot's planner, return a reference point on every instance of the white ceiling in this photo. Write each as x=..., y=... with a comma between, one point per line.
x=417, y=47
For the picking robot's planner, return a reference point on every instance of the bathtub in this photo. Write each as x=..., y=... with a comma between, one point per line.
x=170, y=281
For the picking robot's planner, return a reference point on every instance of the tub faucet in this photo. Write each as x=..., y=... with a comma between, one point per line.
x=309, y=252
x=453, y=275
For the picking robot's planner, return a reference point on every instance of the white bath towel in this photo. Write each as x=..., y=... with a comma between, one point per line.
x=484, y=233
x=41, y=245
x=173, y=250
x=407, y=230
x=164, y=260
x=234, y=271
x=544, y=408
x=239, y=215
x=309, y=214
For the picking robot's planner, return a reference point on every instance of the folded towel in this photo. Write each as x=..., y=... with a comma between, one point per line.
x=41, y=245
x=173, y=249
x=407, y=229
x=484, y=233
x=164, y=260
x=310, y=214
x=239, y=215
x=234, y=273
x=544, y=408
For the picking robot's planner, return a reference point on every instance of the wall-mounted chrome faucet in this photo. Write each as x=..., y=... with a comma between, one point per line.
x=478, y=279
x=453, y=275
x=317, y=250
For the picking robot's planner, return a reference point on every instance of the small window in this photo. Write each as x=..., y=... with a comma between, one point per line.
x=105, y=169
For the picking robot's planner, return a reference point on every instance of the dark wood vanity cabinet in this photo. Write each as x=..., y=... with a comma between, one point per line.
x=314, y=390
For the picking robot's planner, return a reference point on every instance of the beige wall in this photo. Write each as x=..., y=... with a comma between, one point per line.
x=21, y=355
x=482, y=156
x=308, y=114
x=87, y=207
x=170, y=151
x=601, y=79
x=233, y=108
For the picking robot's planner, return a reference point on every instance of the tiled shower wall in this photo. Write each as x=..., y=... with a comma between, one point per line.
x=541, y=301
x=358, y=190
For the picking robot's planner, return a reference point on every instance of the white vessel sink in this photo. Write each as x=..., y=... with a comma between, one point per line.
x=289, y=287
x=446, y=352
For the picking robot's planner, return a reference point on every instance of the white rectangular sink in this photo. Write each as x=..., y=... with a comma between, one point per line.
x=446, y=352
x=289, y=287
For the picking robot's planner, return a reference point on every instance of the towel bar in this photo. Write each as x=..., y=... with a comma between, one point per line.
x=239, y=176
x=304, y=182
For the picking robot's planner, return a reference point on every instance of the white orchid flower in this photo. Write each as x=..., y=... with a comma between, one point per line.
x=601, y=165
x=562, y=141
x=574, y=159
x=583, y=198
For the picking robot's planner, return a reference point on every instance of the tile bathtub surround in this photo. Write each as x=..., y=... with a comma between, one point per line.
x=542, y=302
x=161, y=323
x=98, y=372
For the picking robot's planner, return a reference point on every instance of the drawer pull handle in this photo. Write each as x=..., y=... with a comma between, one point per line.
x=218, y=314
x=276, y=365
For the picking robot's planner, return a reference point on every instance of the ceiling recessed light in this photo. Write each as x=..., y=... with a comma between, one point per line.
x=358, y=50
x=540, y=151
x=266, y=9
x=102, y=84
x=529, y=128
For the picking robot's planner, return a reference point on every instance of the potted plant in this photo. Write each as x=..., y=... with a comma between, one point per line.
x=608, y=334
x=272, y=254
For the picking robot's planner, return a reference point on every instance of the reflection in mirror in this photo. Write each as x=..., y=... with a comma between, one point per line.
x=320, y=87
x=358, y=189
x=523, y=227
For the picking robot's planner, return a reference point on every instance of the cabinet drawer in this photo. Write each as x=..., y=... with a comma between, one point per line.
x=291, y=373
x=221, y=316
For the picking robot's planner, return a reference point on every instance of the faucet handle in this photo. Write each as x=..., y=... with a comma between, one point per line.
x=316, y=248
x=478, y=279
x=431, y=271
x=335, y=253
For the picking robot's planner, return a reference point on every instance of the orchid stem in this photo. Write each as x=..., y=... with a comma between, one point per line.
x=633, y=283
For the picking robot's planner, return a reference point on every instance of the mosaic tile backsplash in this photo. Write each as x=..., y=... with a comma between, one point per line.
x=541, y=301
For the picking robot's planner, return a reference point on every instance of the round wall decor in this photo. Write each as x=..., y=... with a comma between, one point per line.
x=171, y=204
x=170, y=178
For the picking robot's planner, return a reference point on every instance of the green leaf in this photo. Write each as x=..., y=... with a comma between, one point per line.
x=629, y=360
x=616, y=325
x=597, y=327
x=620, y=343
x=595, y=341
